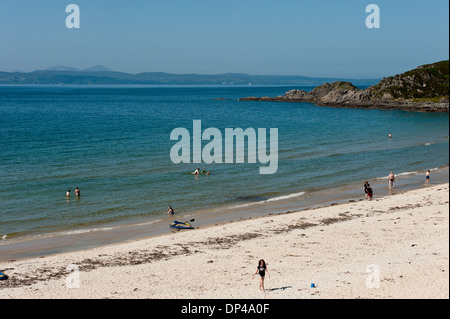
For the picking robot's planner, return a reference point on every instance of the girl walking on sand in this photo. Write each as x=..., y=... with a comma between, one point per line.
x=261, y=270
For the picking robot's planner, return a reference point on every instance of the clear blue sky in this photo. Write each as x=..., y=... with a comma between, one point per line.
x=291, y=37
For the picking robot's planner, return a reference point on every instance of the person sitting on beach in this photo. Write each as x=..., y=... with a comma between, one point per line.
x=170, y=212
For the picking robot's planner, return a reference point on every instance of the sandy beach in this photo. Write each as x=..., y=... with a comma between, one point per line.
x=391, y=247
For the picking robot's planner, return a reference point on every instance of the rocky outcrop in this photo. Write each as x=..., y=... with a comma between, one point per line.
x=424, y=89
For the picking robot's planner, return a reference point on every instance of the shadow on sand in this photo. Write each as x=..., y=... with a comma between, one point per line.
x=282, y=288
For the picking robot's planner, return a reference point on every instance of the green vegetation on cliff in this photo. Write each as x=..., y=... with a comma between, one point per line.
x=426, y=83
x=424, y=89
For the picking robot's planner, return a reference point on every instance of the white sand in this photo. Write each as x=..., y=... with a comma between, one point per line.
x=405, y=237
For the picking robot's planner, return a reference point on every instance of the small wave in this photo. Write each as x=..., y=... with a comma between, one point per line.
x=22, y=236
x=399, y=174
x=274, y=199
x=285, y=197
x=403, y=174
x=250, y=198
x=408, y=173
x=99, y=229
x=82, y=231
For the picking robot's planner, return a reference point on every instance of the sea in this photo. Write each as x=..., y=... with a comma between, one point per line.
x=114, y=143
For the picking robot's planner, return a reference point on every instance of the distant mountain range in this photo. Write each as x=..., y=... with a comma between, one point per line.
x=95, y=68
x=101, y=75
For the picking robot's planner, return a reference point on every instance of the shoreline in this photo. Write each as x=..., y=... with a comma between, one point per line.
x=409, y=106
x=74, y=240
x=405, y=235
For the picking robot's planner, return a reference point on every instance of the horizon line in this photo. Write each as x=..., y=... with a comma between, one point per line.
x=108, y=70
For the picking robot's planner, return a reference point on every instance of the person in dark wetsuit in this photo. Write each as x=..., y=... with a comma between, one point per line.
x=261, y=270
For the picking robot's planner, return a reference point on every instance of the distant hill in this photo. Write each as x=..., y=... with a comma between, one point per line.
x=95, y=68
x=60, y=68
x=100, y=74
x=424, y=89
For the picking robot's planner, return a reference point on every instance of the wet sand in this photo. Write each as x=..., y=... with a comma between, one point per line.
x=395, y=246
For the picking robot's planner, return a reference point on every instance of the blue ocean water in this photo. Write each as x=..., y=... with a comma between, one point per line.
x=114, y=144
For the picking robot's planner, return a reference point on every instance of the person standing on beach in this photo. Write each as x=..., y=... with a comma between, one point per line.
x=261, y=270
x=427, y=178
x=391, y=179
x=368, y=190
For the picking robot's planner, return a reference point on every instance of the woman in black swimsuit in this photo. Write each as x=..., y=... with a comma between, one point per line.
x=261, y=270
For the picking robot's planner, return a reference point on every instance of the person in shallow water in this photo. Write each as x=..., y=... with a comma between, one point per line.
x=391, y=179
x=368, y=191
x=170, y=212
x=77, y=192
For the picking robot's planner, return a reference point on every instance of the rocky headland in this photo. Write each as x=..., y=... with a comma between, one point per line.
x=424, y=89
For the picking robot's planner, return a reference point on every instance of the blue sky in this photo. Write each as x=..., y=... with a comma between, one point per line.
x=282, y=37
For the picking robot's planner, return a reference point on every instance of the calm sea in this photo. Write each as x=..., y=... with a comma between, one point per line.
x=114, y=144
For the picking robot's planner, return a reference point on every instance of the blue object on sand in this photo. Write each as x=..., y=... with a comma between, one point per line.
x=3, y=276
x=181, y=225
